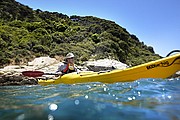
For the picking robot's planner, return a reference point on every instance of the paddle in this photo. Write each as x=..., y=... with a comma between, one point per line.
x=37, y=73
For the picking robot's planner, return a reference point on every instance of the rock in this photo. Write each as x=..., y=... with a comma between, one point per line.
x=7, y=68
x=13, y=69
x=42, y=62
x=51, y=68
x=176, y=75
x=104, y=64
x=2, y=80
x=16, y=79
x=12, y=75
x=29, y=81
x=1, y=72
x=10, y=84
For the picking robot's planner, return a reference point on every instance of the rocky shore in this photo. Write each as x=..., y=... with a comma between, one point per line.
x=12, y=78
x=12, y=75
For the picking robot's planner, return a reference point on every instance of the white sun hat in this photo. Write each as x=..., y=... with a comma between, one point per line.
x=69, y=55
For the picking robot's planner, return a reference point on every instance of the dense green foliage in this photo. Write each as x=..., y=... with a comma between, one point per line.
x=27, y=33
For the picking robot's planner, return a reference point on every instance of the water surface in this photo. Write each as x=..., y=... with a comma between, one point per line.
x=145, y=99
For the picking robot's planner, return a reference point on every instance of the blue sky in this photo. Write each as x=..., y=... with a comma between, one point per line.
x=154, y=22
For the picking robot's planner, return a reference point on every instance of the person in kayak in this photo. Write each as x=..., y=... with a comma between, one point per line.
x=68, y=65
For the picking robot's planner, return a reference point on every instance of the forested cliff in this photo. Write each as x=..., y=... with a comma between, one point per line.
x=26, y=33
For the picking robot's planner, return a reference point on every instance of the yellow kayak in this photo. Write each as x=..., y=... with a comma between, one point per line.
x=161, y=68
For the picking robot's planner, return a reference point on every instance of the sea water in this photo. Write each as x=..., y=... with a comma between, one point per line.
x=145, y=99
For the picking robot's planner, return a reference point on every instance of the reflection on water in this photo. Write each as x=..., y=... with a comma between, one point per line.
x=143, y=99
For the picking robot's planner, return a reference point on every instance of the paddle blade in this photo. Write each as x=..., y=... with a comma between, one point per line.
x=33, y=73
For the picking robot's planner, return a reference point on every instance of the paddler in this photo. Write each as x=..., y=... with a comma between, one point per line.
x=68, y=65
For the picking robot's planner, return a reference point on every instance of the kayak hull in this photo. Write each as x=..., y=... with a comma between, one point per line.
x=161, y=68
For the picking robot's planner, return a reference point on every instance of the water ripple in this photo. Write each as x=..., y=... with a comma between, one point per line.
x=143, y=99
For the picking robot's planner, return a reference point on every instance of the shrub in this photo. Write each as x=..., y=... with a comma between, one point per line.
x=40, y=49
x=4, y=61
x=95, y=38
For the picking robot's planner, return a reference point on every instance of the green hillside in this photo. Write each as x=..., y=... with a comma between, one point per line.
x=26, y=33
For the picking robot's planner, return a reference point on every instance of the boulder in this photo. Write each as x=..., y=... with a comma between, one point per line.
x=42, y=62
x=14, y=79
x=12, y=75
x=104, y=64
